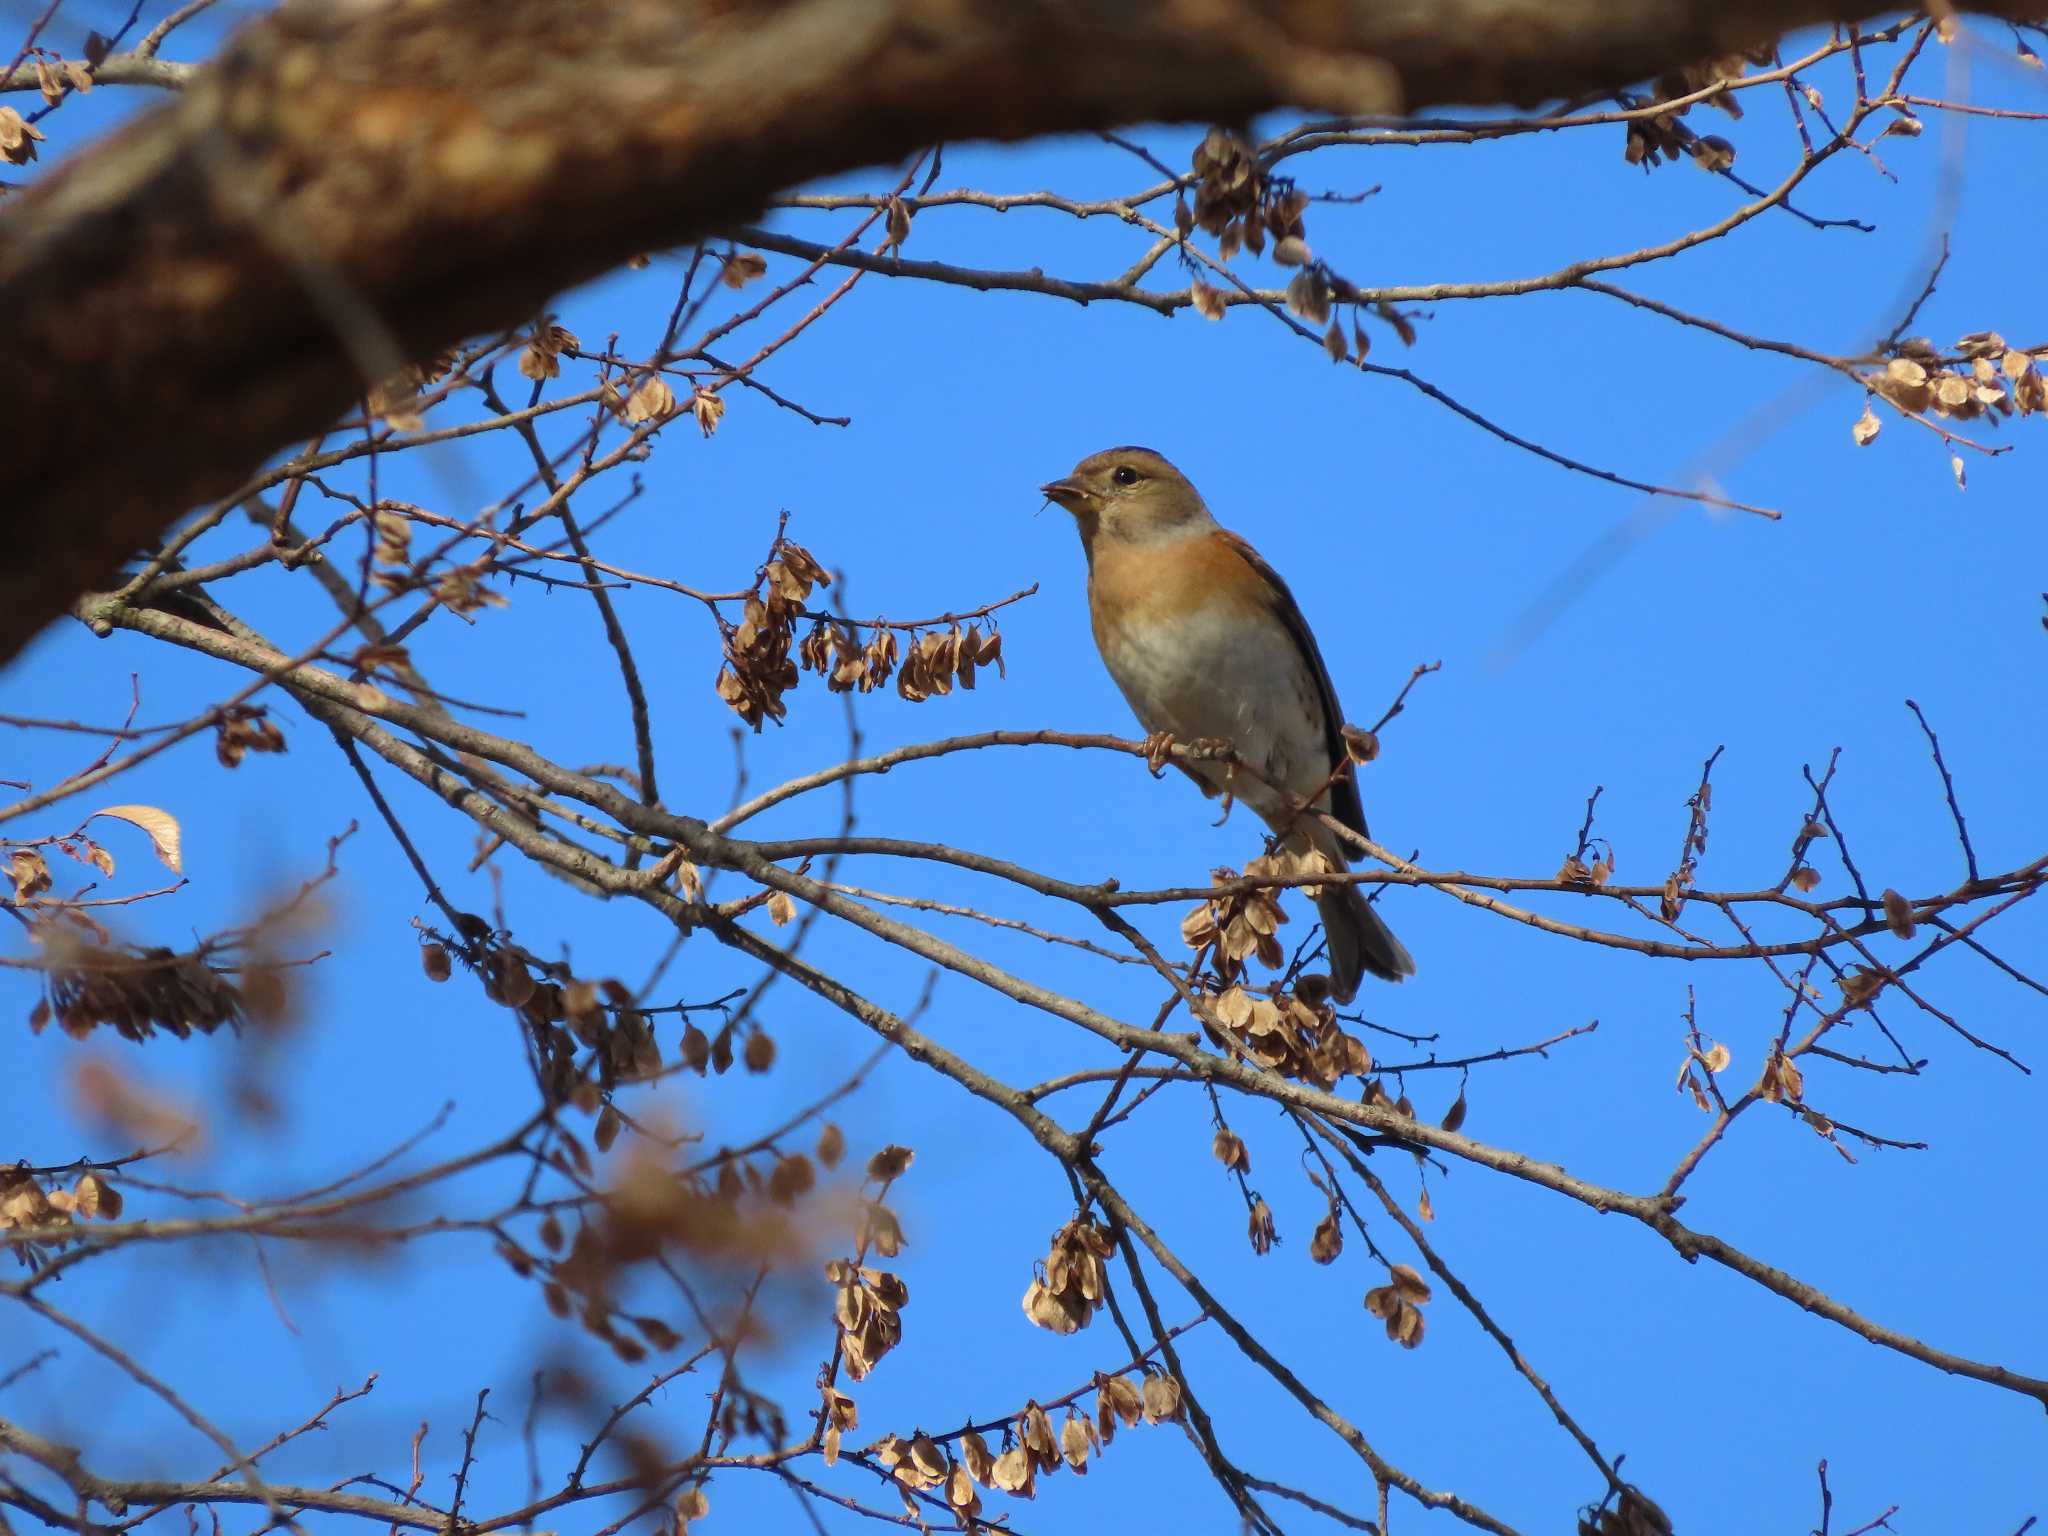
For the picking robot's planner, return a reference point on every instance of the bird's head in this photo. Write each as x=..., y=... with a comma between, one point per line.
x=1129, y=495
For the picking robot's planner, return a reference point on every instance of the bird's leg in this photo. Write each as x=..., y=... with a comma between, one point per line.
x=1158, y=751
x=1217, y=746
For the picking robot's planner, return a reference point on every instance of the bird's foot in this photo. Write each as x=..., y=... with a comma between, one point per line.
x=1158, y=751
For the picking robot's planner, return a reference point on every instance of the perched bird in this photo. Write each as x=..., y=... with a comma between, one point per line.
x=1206, y=643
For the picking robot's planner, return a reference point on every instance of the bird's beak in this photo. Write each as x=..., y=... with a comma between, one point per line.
x=1065, y=492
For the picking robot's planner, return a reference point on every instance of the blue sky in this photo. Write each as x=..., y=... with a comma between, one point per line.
x=1407, y=536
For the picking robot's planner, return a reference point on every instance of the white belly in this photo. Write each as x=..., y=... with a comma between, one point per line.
x=1211, y=673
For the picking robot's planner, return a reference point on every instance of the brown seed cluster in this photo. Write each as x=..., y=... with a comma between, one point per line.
x=30, y=872
x=932, y=664
x=1981, y=377
x=567, y=1014
x=1709, y=1059
x=1898, y=915
x=1237, y=203
x=55, y=77
x=649, y=1210
x=1241, y=925
x=459, y=588
x=1655, y=140
x=1260, y=1228
x=921, y=1463
x=1242, y=206
x=1295, y=1032
x=1782, y=1081
x=1576, y=871
x=541, y=358
x=399, y=400
x=739, y=268
x=703, y=1053
x=1328, y=1240
x=691, y=1504
x=1067, y=1288
x=867, y=1305
x=937, y=659
x=1376, y=1094
x=1230, y=1151
x=1297, y=1036
x=135, y=992
x=242, y=730
x=840, y=1414
x=758, y=670
x=25, y=1204
x=18, y=137
x=1634, y=1515
x=653, y=399
x=1398, y=1304
x=834, y=651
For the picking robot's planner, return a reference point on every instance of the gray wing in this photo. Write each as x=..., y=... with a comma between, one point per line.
x=1344, y=801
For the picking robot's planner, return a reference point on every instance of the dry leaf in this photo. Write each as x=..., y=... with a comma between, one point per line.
x=889, y=1163
x=18, y=137
x=1261, y=1230
x=691, y=1504
x=651, y=400
x=1454, y=1117
x=1360, y=745
x=1230, y=1149
x=831, y=1145
x=161, y=826
x=975, y=1457
x=1898, y=915
x=1328, y=1240
x=1014, y=1472
x=94, y=1196
x=742, y=267
x=31, y=873
x=1076, y=1442
x=1161, y=1395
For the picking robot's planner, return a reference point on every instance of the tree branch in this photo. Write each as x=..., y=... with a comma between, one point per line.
x=347, y=189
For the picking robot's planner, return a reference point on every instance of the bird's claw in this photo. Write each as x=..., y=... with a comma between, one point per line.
x=1158, y=751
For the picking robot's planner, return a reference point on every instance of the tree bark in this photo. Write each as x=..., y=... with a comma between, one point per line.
x=353, y=185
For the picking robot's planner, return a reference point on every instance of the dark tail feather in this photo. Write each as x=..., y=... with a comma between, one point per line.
x=1360, y=942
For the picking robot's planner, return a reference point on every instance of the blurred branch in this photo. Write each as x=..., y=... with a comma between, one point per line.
x=491, y=185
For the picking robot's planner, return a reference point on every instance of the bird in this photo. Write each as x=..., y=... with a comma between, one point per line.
x=1206, y=643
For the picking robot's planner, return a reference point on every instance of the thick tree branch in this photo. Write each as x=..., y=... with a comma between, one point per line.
x=348, y=188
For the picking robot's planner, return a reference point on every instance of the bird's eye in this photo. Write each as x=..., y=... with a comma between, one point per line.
x=1123, y=474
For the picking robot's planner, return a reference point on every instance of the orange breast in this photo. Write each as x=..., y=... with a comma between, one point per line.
x=1131, y=584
